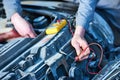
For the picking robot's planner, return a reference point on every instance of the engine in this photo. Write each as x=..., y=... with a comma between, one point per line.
x=50, y=55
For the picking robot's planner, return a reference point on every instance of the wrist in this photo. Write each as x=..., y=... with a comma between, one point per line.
x=15, y=16
x=79, y=31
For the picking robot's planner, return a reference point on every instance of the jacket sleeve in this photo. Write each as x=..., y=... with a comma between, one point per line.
x=85, y=12
x=11, y=7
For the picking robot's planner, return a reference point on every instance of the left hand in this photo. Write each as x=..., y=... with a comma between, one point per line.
x=23, y=27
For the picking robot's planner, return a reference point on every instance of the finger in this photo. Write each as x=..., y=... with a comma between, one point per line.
x=77, y=48
x=87, y=51
x=75, y=45
x=84, y=53
x=27, y=36
x=83, y=58
x=83, y=44
x=32, y=35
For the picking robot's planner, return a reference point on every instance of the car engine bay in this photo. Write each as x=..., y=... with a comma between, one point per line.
x=50, y=56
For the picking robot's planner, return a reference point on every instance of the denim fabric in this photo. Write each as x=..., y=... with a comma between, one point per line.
x=110, y=9
x=11, y=7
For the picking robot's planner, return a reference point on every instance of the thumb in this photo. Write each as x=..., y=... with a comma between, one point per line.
x=32, y=35
x=27, y=36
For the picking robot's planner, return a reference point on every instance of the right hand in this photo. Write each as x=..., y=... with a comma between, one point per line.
x=79, y=43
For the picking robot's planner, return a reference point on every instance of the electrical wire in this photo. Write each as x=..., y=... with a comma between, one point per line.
x=101, y=56
x=70, y=27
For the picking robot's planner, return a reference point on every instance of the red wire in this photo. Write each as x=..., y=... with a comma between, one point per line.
x=91, y=50
x=88, y=69
x=70, y=28
x=101, y=56
x=58, y=21
x=93, y=58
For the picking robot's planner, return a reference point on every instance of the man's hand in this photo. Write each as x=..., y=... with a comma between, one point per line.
x=9, y=35
x=23, y=27
x=79, y=43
